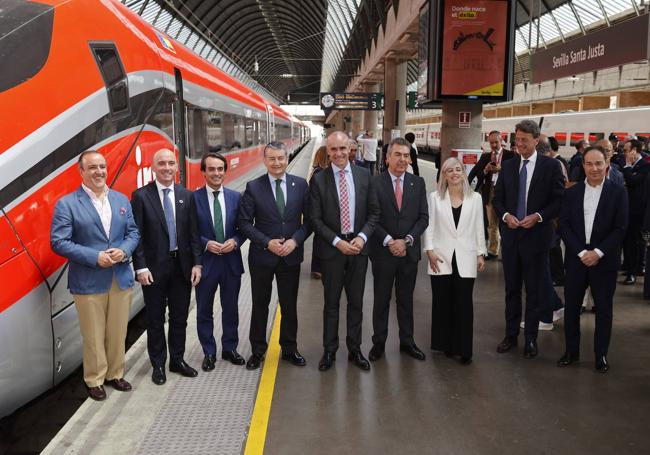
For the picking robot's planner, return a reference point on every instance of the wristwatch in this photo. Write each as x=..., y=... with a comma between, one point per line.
x=409, y=240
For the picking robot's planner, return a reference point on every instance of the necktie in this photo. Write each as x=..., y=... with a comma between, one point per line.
x=398, y=193
x=168, y=208
x=218, y=219
x=521, y=196
x=279, y=197
x=345, y=203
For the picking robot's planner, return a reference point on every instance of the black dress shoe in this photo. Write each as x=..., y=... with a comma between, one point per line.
x=254, y=361
x=567, y=359
x=327, y=361
x=359, y=360
x=530, y=349
x=413, y=351
x=507, y=344
x=183, y=369
x=233, y=357
x=208, y=362
x=97, y=393
x=630, y=279
x=602, y=365
x=465, y=360
x=158, y=376
x=294, y=358
x=376, y=352
x=120, y=384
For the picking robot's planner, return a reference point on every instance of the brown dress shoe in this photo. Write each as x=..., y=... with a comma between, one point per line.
x=119, y=384
x=97, y=393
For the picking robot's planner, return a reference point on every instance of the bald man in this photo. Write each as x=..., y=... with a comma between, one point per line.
x=167, y=262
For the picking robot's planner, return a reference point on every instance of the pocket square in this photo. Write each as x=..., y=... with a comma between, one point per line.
x=122, y=210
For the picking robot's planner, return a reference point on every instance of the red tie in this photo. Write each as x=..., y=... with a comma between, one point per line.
x=345, y=203
x=398, y=193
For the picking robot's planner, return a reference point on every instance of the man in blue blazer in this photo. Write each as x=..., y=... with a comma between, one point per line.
x=527, y=198
x=216, y=209
x=272, y=216
x=94, y=229
x=593, y=221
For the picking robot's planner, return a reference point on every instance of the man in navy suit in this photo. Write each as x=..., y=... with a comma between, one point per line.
x=272, y=215
x=167, y=262
x=592, y=224
x=216, y=209
x=527, y=198
x=94, y=229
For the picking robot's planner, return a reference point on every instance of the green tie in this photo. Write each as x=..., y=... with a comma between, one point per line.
x=279, y=196
x=218, y=219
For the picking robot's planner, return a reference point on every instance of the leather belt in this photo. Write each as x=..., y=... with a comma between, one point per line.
x=173, y=254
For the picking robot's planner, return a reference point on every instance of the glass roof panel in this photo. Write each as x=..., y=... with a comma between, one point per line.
x=133, y=4
x=163, y=20
x=183, y=35
x=566, y=19
x=614, y=7
x=341, y=15
x=150, y=11
x=548, y=28
x=588, y=10
x=174, y=27
x=191, y=42
x=520, y=43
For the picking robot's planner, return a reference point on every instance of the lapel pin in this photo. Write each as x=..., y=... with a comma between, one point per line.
x=180, y=201
x=293, y=183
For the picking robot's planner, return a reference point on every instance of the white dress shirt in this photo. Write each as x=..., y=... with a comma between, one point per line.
x=590, y=202
x=283, y=185
x=103, y=207
x=498, y=156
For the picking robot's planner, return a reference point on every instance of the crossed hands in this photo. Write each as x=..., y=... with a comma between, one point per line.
x=351, y=248
x=110, y=257
x=146, y=278
x=217, y=248
x=590, y=258
x=282, y=247
x=528, y=222
x=397, y=247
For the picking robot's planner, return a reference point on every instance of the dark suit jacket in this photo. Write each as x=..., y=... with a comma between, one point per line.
x=260, y=221
x=325, y=215
x=482, y=177
x=609, y=225
x=153, y=249
x=233, y=259
x=544, y=197
x=414, y=159
x=412, y=219
x=635, y=179
x=615, y=175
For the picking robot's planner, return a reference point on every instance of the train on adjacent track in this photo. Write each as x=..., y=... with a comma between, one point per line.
x=81, y=75
x=568, y=128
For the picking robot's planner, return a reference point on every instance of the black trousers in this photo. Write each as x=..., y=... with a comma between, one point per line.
x=341, y=272
x=452, y=313
x=523, y=268
x=287, y=279
x=557, y=261
x=402, y=273
x=603, y=285
x=633, y=245
x=170, y=290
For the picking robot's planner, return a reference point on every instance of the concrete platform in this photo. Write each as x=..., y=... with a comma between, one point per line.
x=501, y=404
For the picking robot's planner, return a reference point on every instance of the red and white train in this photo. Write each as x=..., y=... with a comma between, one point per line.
x=568, y=128
x=78, y=75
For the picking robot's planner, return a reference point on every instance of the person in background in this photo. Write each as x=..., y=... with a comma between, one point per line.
x=592, y=224
x=575, y=164
x=410, y=137
x=614, y=172
x=455, y=245
x=354, y=153
x=321, y=161
x=554, y=153
x=93, y=228
x=369, y=145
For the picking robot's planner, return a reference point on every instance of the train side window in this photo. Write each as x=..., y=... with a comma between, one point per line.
x=196, y=133
x=112, y=71
x=575, y=138
x=561, y=139
x=214, y=121
x=249, y=132
x=263, y=132
x=595, y=137
x=645, y=136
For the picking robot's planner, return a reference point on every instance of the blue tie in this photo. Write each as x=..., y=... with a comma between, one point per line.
x=169, y=218
x=521, y=199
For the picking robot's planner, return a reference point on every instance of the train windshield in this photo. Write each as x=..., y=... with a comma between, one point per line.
x=25, y=38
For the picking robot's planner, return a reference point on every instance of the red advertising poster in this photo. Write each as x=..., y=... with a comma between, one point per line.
x=474, y=48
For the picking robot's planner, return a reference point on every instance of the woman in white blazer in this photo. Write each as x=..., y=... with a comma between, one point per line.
x=455, y=245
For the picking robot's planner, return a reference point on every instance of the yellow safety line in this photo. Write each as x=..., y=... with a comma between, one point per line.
x=260, y=420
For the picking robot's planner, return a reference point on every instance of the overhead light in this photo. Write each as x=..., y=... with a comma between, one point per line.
x=287, y=75
x=573, y=78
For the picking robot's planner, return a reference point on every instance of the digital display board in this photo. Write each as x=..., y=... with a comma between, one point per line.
x=341, y=101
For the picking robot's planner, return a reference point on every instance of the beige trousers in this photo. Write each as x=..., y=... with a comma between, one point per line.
x=103, y=319
x=493, y=229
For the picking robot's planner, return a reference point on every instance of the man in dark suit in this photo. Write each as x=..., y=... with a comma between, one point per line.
x=527, y=198
x=167, y=262
x=635, y=172
x=272, y=216
x=486, y=173
x=592, y=224
x=217, y=208
x=575, y=164
x=395, y=248
x=413, y=150
x=343, y=214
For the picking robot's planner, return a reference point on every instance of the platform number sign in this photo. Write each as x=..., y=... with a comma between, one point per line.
x=464, y=119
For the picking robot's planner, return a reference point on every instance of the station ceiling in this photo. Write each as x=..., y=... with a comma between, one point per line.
x=293, y=49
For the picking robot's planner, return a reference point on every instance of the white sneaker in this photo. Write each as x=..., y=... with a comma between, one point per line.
x=542, y=325
x=558, y=314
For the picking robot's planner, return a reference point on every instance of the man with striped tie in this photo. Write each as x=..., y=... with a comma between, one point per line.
x=217, y=208
x=343, y=214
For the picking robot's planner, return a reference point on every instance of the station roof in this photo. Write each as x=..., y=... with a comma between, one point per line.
x=290, y=50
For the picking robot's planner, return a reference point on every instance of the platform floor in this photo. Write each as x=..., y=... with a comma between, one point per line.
x=500, y=404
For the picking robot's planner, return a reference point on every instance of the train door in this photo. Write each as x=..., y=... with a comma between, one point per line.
x=271, y=123
x=180, y=126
